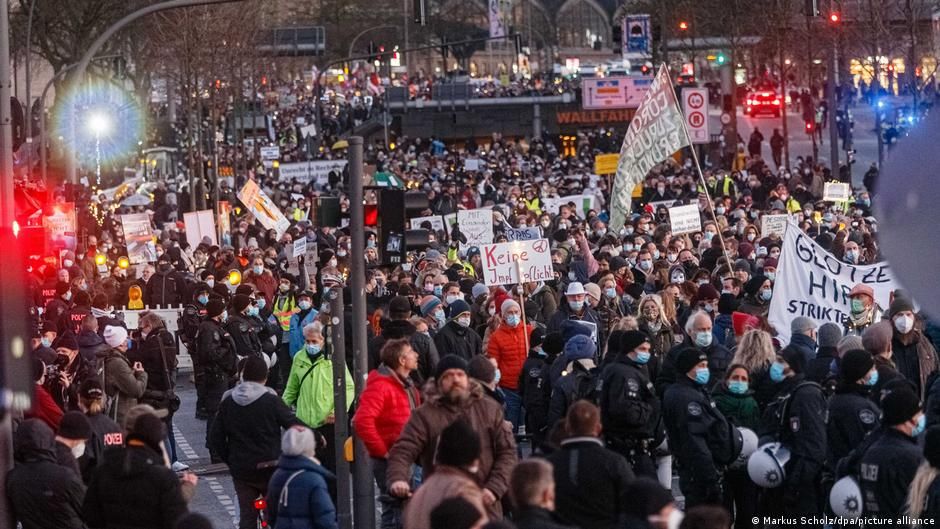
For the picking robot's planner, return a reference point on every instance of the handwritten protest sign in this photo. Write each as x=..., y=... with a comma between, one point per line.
x=836, y=192
x=773, y=225
x=503, y=262
x=476, y=225
x=437, y=223
x=685, y=219
x=522, y=234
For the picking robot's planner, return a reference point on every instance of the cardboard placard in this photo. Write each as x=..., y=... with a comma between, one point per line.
x=503, y=262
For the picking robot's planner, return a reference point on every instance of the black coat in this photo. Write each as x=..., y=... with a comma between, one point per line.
x=590, y=483
x=247, y=430
x=42, y=493
x=536, y=393
x=164, y=289
x=461, y=341
x=147, y=352
x=630, y=408
x=852, y=415
x=886, y=472
x=133, y=488
x=536, y=518
x=818, y=369
x=424, y=346
x=719, y=358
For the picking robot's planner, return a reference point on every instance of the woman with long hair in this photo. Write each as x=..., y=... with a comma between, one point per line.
x=756, y=352
x=923, y=498
x=652, y=320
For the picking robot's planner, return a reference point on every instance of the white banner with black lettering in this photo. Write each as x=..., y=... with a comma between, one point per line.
x=812, y=282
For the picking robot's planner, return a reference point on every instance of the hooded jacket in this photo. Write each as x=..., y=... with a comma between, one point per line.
x=458, y=340
x=90, y=344
x=42, y=494
x=384, y=407
x=310, y=388
x=418, y=440
x=447, y=482
x=246, y=431
x=298, y=497
x=133, y=488
x=423, y=345
x=121, y=384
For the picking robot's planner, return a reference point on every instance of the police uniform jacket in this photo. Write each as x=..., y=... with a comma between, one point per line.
x=216, y=349
x=852, y=415
x=886, y=472
x=629, y=406
x=245, y=335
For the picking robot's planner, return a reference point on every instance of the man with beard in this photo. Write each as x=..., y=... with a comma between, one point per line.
x=452, y=395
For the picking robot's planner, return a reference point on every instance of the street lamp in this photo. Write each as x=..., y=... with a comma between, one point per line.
x=100, y=125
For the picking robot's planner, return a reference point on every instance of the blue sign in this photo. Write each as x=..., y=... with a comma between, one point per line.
x=636, y=35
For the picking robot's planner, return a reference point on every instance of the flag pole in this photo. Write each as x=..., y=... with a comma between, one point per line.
x=698, y=167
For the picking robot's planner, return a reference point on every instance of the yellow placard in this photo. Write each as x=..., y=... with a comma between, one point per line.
x=606, y=163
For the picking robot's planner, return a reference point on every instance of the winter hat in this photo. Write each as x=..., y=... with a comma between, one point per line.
x=455, y=513
x=688, y=358
x=149, y=429
x=593, y=290
x=91, y=389
x=727, y=304
x=855, y=364
x=633, y=339
x=570, y=329
x=932, y=446
x=240, y=302
x=536, y=337
x=481, y=369
x=67, y=341
x=82, y=298
x=742, y=322
x=770, y=262
x=450, y=361
x=553, y=343
x=458, y=445
x=745, y=249
x=399, y=307
x=829, y=334
x=479, y=289
x=115, y=335
x=457, y=308
x=899, y=405
x=215, y=307
x=140, y=410
x=299, y=441
x=900, y=304
x=75, y=425
x=245, y=288
x=753, y=285
x=616, y=263
x=794, y=358
x=847, y=343
x=801, y=324
x=255, y=369
x=428, y=304
x=61, y=288
x=742, y=265
x=507, y=306
x=706, y=291
x=647, y=497
x=580, y=347
x=876, y=338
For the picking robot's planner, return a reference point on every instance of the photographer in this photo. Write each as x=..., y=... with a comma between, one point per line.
x=65, y=375
x=123, y=383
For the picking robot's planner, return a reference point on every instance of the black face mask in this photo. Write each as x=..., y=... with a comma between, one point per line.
x=164, y=267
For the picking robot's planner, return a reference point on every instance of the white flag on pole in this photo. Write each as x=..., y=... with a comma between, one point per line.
x=655, y=133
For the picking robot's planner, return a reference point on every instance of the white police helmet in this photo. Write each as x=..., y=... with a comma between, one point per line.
x=845, y=498
x=766, y=466
x=748, y=446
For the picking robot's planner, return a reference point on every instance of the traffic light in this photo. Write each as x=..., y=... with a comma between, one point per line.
x=721, y=58
x=683, y=25
x=371, y=51
x=420, y=13
x=834, y=18
x=810, y=126
x=397, y=206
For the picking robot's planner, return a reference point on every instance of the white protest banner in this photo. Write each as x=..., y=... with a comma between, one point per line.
x=476, y=225
x=299, y=171
x=685, y=219
x=300, y=247
x=304, y=172
x=836, y=192
x=503, y=262
x=584, y=202
x=773, y=224
x=437, y=223
x=263, y=208
x=812, y=282
x=655, y=133
x=522, y=234
x=200, y=224
x=270, y=153
x=471, y=164
x=138, y=235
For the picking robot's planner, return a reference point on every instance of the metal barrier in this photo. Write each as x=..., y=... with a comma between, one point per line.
x=171, y=321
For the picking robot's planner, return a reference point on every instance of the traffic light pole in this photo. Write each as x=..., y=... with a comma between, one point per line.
x=831, y=106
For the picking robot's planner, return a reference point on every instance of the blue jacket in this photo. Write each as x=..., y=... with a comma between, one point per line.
x=297, y=330
x=305, y=503
x=722, y=330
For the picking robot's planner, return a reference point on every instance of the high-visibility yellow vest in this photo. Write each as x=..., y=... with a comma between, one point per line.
x=284, y=308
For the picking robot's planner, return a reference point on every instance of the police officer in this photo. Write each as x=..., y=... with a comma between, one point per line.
x=700, y=437
x=216, y=352
x=242, y=329
x=188, y=324
x=630, y=409
x=797, y=419
x=887, y=469
x=852, y=413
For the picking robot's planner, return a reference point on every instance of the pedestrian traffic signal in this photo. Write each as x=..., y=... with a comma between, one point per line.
x=721, y=58
x=834, y=18
x=683, y=25
x=810, y=127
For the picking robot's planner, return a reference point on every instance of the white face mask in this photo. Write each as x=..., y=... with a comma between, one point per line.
x=904, y=324
x=78, y=450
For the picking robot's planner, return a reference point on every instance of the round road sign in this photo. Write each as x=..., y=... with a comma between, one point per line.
x=696, y=119
x=725, y=118
x=696, y=100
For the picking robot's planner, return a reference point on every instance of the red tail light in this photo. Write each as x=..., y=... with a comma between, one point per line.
x=261, y=504
x=777, y=102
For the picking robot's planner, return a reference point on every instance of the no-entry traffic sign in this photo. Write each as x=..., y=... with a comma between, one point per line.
x=695, y=111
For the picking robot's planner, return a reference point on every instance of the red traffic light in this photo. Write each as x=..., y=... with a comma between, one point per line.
x=683, y=25
x=809, y=126
x=834, y=18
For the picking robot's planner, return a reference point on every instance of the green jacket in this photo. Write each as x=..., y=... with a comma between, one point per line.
x=312, y=394
x=741, y=410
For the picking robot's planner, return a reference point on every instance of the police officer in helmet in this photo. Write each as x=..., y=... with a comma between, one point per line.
x=216, y=352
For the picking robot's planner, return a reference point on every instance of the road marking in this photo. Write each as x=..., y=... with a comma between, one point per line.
x=217, y=489
x=183, y=445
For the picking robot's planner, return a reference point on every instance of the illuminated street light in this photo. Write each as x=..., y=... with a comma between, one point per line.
x=99, y=124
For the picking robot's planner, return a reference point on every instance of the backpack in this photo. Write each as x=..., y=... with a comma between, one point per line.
x=778, y=411
x=586, y=384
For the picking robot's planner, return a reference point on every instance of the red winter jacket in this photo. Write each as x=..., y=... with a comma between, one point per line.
x=45, y=409
x=384, y=408
x=507, y=347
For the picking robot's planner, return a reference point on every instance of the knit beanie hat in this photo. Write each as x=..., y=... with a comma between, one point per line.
x=457, y=308
x=479, y=289
x=706, y=291
x=115, y=335
x=399, y=307
x=801, y=324
x=899, y=405
x=61, y=288
x=299, y=441
x=536, y=337
x=855, y=364
x=67, y=341
x=215, y=307
x=876, y=338
x=455, y=513
x=481, y=369
x=148, y=429
x=75, y=425
x=428, y=304
x=830, y=334
x=794, y=358
x=507, y=305
x=847, y=343
x=240, y=302
x=688, y=358
x=932, y=446
x=458, y=445
x=580, y=347
x=450, y=361
x=633, y=339
x=900, y=304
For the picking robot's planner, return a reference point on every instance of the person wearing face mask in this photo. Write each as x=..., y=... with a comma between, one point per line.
x=507, y=345
x=698, y=331
x=247, y=341
x=736, y=401
x=630, y=408
x=433, y=313
x=188, y=325
x=164, y=287
x=74, y=431
x=57, y=309
x=455, y=336
x=863, y=311
x=216, y=351
x=758, y=293
x=889, y=465
x=700, y=437
x=852, y=412
x=282, y=309
x=304, y=315
x=796, y=419
x=652, y=321
x=545, y=298
x=262, y=279
x=575, y=307
x=913, y=354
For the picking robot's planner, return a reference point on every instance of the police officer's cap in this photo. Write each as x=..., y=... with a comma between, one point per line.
x=689, y=358
x=215, y=307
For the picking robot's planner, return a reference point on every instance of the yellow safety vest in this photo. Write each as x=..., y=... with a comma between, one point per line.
x=283, y=312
